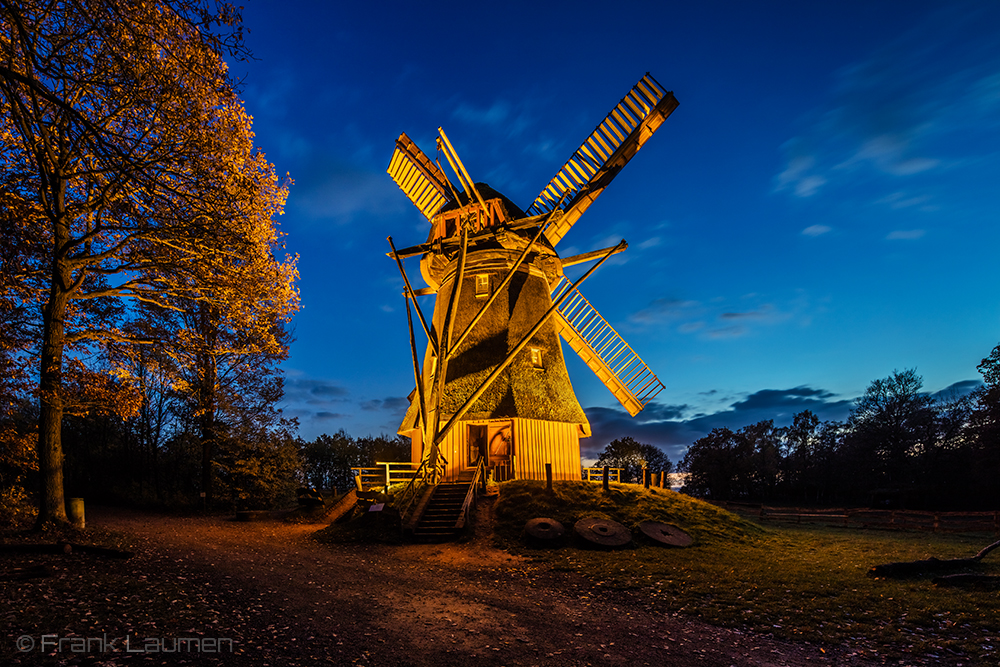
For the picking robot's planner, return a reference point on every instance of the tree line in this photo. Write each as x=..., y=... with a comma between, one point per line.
x=899, y=447
x=632, y=457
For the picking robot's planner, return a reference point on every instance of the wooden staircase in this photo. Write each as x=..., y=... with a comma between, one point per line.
x=442, y=518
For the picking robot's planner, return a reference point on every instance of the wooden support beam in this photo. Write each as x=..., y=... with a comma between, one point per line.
x=596, y=254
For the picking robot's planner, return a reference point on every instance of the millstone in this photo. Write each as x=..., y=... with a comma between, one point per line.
x=664, y=533
x=544, y=529
x=604, y=532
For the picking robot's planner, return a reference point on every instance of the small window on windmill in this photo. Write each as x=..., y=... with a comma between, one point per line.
x=536, y=358
x=482, y=285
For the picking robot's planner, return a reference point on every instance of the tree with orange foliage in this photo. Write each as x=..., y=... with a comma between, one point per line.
x=123, y=126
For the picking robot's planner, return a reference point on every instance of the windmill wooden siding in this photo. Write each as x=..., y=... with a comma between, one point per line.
x=534, y=442
x=538, y=442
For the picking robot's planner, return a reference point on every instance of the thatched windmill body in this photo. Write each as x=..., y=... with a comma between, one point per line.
x=493, y=381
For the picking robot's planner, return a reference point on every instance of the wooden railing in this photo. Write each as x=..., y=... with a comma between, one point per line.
x=404, y=499
x=470, y=495
x=969, y=522
x=597, y=474
x=385, y=474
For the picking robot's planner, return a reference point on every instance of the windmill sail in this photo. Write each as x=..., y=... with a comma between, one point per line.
x=418, y=177
x=604, y=351
x=599, y=159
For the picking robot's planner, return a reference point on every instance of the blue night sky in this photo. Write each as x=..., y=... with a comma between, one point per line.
x=820, y=210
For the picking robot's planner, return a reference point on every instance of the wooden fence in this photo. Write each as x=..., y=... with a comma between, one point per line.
x=954, y=522
x=597, y=474
x=384, y=475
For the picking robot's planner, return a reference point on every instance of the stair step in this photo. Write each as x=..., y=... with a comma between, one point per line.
x=443, y=511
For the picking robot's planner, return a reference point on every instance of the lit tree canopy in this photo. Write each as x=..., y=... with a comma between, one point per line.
x=123, y=135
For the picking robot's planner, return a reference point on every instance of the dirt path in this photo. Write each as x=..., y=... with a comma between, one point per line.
x=286, y=599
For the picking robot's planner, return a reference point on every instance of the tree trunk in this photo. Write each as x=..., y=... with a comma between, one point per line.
x=917, y=567
x=207, y=440
x=52, y=502
x=207, y=398
x=52, y=497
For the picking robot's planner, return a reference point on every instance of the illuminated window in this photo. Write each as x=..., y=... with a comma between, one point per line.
x=482, y=284
x=536, y=357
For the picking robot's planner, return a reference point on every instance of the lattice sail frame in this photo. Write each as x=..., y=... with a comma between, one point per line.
x=598, y=159
x=604, y=351
x=418, y=177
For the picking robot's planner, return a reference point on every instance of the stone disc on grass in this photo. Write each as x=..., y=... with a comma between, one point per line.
x=664, y=533
x=544, y=529
x=605, y=532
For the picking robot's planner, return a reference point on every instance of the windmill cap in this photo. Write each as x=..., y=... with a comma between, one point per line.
x=514, y=211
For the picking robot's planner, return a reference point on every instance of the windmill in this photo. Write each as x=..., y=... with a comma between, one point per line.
x=493, y=381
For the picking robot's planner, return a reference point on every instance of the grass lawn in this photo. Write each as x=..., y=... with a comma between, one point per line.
x=805, y=582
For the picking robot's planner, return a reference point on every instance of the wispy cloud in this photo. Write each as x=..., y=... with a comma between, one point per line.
x=956, y=390
x=900, y=200
x=496, y=114
x=893, y=115
x=766, y=312
x=332, y=192
x=396, y=405
x=665, y=309
x=905, y=235
x=721, y=319
x=816, y=230
x=321, y=405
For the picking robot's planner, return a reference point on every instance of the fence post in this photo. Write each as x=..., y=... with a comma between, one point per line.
x=645, y=477
x=605, y=483
x=548, y=478
x=663, y=479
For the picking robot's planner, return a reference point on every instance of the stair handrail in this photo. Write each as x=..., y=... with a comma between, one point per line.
x=470, y=494
x=409, y=492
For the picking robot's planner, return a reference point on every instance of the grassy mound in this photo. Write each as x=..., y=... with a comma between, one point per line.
x=627, y=504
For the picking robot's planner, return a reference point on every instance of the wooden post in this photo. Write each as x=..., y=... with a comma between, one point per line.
x=605, y=484
x=663, y=479
x=548, y=478
x=645, y=477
